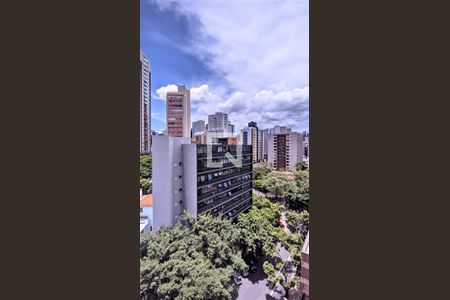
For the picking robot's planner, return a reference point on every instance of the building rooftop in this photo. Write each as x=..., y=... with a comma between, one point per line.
x=146, y=201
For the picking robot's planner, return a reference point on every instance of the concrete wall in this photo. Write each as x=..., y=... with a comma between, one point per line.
x=147, y=212
x=167, y=155
x=190, y=178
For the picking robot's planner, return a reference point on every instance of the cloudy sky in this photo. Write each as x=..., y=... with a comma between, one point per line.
x=248, y=58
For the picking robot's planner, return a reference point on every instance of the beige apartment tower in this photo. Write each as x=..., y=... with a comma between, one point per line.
x=285, y=150
x=178, y=113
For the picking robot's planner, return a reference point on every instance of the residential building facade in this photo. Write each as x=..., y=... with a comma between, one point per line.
x=184, y=179
x=198, y=126
x=199, y=138
x=218, y=127
x=251, y=135
x=178, y=113
x=145, y=104
x=218, y=121
x=285, y=150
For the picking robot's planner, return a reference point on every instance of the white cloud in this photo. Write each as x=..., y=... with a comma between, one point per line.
x=268, y=107
x=162, y=91
x=257, y=43
x=262, y=50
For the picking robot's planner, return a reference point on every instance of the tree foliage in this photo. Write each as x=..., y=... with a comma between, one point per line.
x=145, y=170
x=275, y=183
x=258, y=228
x=260, y=173
x=301, y=166
x=297, y=196
x=146, y=166
x=194, y=259
x=297, y=219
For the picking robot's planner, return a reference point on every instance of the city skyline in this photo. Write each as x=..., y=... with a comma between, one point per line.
x=233, y=71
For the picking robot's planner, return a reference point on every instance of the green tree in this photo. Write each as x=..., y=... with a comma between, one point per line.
x=146, y=166
x=297, y=196
x=302, y=180
x=144, y=183
x=258, y=228
x=194, y=259
x=275, y=183
x=297, y=219
x=260, y=173
x=301, y=166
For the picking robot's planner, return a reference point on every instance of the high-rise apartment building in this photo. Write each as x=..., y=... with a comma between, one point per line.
x=285, y=150
x=145, y=105
x=251, y=135
x=265, y=143
x=198, y=126
x=178, y=113
x=218, y=127
x=265, y=138
x=218, y=121
x=184, y=180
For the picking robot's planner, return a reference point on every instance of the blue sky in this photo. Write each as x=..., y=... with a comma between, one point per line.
x=247, y=58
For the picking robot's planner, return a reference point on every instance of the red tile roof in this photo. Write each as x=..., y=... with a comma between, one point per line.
x=146, y=200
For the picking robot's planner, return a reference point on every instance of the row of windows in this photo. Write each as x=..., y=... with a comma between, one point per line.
x=229, y=205
x=212, y=176
x=223, y=160
x=215, y=188
x=222, y=173
x=222, y=198
x=202, y=149
x=236, y=210
x=203, y=166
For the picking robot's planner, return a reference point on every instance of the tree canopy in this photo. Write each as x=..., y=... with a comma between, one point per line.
x=145, y=170
x=301, y=166
x=258, y=228
x=260, y=173
x=274, y=183
x=194, y=259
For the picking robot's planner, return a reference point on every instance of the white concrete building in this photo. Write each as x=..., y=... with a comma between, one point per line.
x=218, y=127
x=183, y=180
x=146, y=213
